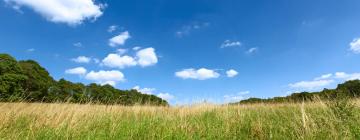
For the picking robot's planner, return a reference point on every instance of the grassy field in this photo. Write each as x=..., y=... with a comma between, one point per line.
x=259, y=121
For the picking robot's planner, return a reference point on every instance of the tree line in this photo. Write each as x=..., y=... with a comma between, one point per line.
x=349, y=89
x=27, y=81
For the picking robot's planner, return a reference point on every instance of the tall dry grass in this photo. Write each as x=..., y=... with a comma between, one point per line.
x=204, y=121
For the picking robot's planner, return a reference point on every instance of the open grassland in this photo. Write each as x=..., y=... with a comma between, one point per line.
x=258, y=121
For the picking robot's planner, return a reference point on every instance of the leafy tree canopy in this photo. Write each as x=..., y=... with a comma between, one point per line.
x=28, y=81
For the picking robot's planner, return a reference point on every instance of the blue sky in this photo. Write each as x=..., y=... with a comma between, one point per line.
x=188, y=51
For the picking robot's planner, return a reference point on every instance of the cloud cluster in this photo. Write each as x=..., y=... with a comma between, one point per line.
x=101, y=77
x=106, y=77
x=71, y=12
x=324, y=80
x=144, y=57
x=200, y=74
x=203, y=73
x=187, y=29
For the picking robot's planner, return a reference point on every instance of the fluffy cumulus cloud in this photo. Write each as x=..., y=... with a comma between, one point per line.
x=106, y=77
x=229, y=43
x=355, y=46
x=81, y=59
x=119, y=39
x=146, y=57
x=76, y=71
x=152, y=91
x=324, y=81
x=231, y=73
x=71, y=12
x=200, y=74
x=118, y=61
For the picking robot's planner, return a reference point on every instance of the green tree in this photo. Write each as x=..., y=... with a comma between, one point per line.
x=39, y=80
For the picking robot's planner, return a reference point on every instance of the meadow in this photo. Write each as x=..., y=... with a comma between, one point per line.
x=315, y=120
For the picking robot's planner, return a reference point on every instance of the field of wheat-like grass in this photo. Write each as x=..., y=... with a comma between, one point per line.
x=204, y=121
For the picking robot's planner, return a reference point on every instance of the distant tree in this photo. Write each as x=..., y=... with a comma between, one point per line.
x=39, y=80
x=9, y=65
x=12, y=80
x=350, y=88
x=28, y=81
x=11, y=87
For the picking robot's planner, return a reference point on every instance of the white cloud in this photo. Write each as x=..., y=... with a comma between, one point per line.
x=228, y=43
x=311, y=85
x=231, y=73
x=325, y=76
x=252, y=50
x=355, y=45
x=324, y=81
x=106, y=77
x=187, y=29
x=96, y=60
x=166, y=96
x=244, y=92
x=121, y=51
x=112, y=28
x=81, y=59
x=118, y=61
x=136, y=48
x=145, y=90
x=78, y=44
x=30, y=50
x=237, y=97
x=76, y=71
x=152, y=91
x=200, y=74
x=71, y=12
x=146, y=57
x=119, y=39
x=111, y=83
x=346, y=76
